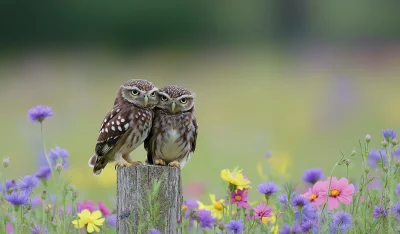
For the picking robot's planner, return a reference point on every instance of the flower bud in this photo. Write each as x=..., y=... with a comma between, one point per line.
x=74, y=195
x=347, y=161
x=368, y=138
x=6, y=162
x=395, y=142
x=353, y=153
x=367, y=170
x=384, y=143
x=221, y=226
x=44, y=195
x=59, y=168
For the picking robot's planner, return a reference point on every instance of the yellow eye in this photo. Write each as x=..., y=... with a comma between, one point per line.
x=135, y=92
x=164, y=98
x=153, y=94
x=183, y=100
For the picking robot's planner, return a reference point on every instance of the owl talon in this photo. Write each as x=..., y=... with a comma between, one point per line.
x=174, y=164
x=159, y=162
x=122, y=164
x=136, y=163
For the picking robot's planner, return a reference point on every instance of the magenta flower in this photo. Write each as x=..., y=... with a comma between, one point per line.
x=9, y=228
x=39, y=113
x=262, y=210
x=240, y=197
x=313, y=193
x=340, y=191
x=89, y=205
x=103, y=208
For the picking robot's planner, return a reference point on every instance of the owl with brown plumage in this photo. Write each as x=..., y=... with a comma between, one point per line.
x=174, y=132
x=126, y=126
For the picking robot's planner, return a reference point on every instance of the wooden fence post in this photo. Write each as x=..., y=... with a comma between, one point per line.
x=136, y=199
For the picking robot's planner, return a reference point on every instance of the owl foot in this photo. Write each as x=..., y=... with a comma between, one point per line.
x=159, y=162
x=174, y=164
x=122, y=164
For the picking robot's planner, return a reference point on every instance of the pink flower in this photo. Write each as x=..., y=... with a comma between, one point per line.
x=103, y=208
x=341, y=191
x=313, y=193
x=262, y=210
x=9, y=228
x=89, y=205
x=240, y=197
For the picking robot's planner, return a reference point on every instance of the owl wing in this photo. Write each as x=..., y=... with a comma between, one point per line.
x=193, y=143
x=147, y=147
x=115, y=124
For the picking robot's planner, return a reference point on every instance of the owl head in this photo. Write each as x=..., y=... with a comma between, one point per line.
x=141, y=93
x=175, y=99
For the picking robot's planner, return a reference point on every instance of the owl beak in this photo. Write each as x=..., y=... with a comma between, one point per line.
x=146, y=100
x=173, y=106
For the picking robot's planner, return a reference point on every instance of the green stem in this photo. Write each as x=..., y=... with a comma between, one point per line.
x=44, y=149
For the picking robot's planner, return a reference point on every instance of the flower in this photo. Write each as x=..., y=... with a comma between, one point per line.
x=285, y=229
x=112, y=220
x=307, y=226
x=389, y=134
x=379, y=211
x=44, y=173
x=28, y=183
x=375, y=157
x=262, y=210
x=236, y=179
x=396, y=210
x=313, y=175
x=39, y=113
x=235, y=226
x=217, y=207
x=10, y=185
x=103, y=208
x=39, y=230
x=398, y=189
x=36, y=201
x=17, y=198
x=313, y=193
x=309, y=212
x=154, y=231
x=240, y=197
x=283, y=199
x=341, y=221
x=9, y=228
x=205, y=219
x=6, y=162
x=340, y=191
x=189, y=206
x=268, y=189
x=91, y=220
x=59, y=155
x=299, y=201
x=86, y=205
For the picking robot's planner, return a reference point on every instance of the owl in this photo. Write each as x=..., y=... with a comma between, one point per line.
x=174, y=133
x=126, y=126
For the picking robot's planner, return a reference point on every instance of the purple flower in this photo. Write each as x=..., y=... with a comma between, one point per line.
x=307, y=226
x=154, y=231
x=112, y=220
x=299, y=201
x=285, y=229
x=28, y=183
x=375, y=157
x=309, y=212
x=379, y=211
x=398, y=189
x=341, y=221
x=59, y=155
x=313, y=175
x=389, y=134
x=190, y=205
x=205, y=219
x=39, y=230
x=267, y=188
x=44, y=173
x=39, y=113
x=235, y=226
x=10, y=185
x=18, y=198
x=36, y=201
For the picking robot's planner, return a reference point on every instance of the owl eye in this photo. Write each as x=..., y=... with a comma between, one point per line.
x=135, y=92
x=164, y=98
x=183, y=100
x=153, y=94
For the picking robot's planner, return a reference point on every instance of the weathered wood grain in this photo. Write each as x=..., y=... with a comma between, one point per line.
x=133, y=186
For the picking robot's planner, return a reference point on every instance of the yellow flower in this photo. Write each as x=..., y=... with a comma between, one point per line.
x=216, y=208
x=235, y=179
x=275, y=229
x=91, y=220
x=266, y=220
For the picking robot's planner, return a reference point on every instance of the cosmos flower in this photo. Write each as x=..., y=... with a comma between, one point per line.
x=154, y=231
x=341, y=222
x=28, y=183
x=39, y=113
x=379, y=211
x=235, y=179
x=205, y=219
x=18, y=198
x=313, y=193
x=313, y=175
x=340, y=191
x=90, y=220
x=235, y=226
x=103, y=208
x=240, y=197
x=268, y=189
x=86, y=205
x=375, y=158
x=262, y=210
x=389, y=134
x=39, y=230
x=216, y=208
x=9, y=228
x=43, y=173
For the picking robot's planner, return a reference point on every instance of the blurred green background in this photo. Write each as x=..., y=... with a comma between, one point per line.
x=281, y=86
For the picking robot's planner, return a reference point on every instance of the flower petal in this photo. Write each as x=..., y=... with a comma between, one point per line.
x=96, y=214
x=90, y=227
x=85, y=214
x=99, y=222
x=333, y=203
x=226, y=175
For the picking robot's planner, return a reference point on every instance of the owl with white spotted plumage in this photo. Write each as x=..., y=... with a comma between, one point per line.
x=174, y=132
x=126, y=126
